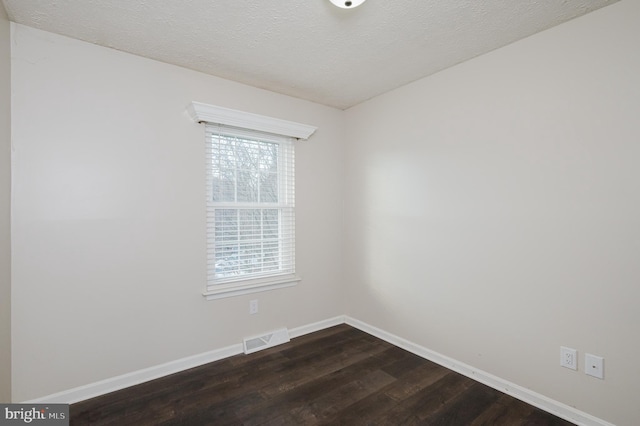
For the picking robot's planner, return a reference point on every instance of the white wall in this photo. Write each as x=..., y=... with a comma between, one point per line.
x=5, y=207
x=493, y=211
x=108, y=230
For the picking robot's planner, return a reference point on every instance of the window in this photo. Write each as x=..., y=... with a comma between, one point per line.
x=250, y=201
x=250, y=205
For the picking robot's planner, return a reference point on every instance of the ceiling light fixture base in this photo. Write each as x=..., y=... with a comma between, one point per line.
x=347, y=4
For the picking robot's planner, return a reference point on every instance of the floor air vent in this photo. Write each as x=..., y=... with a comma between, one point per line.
x=254, y=344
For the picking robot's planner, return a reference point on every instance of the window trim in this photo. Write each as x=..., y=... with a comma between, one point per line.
x=211, y=114
x=203, y=113
x=248, y=286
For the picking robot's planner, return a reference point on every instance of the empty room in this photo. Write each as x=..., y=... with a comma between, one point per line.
x=320, y=211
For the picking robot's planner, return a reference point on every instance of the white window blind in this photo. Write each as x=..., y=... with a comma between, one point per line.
x=250, y=205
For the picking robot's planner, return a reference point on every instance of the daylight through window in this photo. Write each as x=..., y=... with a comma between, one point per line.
x=250, y=205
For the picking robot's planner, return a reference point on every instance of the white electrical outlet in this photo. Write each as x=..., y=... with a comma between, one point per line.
x=568, y=358
x=594, y=366
x=253, y=307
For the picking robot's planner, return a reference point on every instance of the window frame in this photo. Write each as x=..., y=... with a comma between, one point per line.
x=215, y=115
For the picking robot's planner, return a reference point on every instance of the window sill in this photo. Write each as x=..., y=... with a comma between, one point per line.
x=250, y=286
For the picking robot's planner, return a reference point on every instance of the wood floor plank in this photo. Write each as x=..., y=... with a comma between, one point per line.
x=292, y=367
x=373, y=407
x=413, y=409
x=539, y=418
x=363, y=412
x=342, y=397
x=402, y=366
x=464, y=408
x=415, y=380
x=506, y=411
x=314, y=389
x=304, y=369
x=337, y=376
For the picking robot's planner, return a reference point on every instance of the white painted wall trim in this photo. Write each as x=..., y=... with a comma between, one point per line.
x=134, y=378
x=316, y=326
x=102, y=387
x=530, y=397
x=250, y=286
x=200, y=113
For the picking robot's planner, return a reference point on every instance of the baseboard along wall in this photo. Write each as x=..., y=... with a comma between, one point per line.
x=113, y=384
x=102, y=387
x=526, y=395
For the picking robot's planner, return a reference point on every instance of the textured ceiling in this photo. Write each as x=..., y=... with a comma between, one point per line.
x=309, y=49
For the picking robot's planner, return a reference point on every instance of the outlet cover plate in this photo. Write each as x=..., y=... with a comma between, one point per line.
x=253, y=307
x=594, y=366
x=568, y=358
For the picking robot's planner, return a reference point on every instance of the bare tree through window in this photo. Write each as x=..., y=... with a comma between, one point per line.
x=246, y=179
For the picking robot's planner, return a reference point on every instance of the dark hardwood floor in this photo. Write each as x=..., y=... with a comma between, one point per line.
x=337, y=376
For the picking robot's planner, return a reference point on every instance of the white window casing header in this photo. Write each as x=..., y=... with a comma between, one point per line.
x=201, y=112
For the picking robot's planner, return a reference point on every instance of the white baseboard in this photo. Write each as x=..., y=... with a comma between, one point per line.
x=316, y=326
x=134, y=378
x=102, y=387
x=530, y=397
